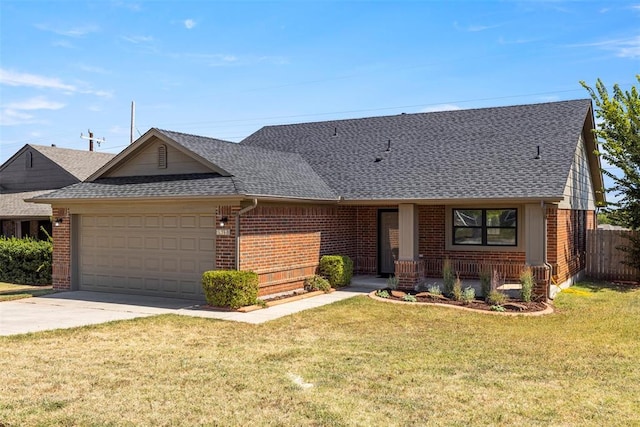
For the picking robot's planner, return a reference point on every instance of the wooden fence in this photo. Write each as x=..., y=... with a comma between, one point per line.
x=605, y=259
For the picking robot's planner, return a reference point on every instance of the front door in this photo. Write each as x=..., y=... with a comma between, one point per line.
x=388, y=243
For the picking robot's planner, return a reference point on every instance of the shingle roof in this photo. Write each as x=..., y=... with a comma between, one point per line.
x=189, y=185
x=79, y=163
x=258, y=171
x=466, y=154
x=12, y=205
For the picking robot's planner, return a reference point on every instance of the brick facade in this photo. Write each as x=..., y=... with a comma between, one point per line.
x=566, y=241
x=61, y=262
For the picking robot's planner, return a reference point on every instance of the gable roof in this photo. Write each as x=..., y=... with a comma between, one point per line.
x=12, y=205
x=487, y=153
x=79, y=163
x=235, y=171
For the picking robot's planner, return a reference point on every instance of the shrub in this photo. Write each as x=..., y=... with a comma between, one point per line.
x=337, y=269
x=496, y=298
x=25, y=261
x=497, y=308
x=382, y=294
x=468, y=295
x=392, y=282
x=457, y=289
x=316, y=283
x=434, y=289
x=230, y=288
x=409, y=298
x=485, y=281
x=447, y=276
x=526, y=282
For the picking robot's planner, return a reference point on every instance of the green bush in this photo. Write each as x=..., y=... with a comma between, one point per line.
x=316, y=283
x=230, y=288
x=485, y=282
x=337, y=269
x=468, y=295
x=25, y=261
x=496, y=298
x=526, y=283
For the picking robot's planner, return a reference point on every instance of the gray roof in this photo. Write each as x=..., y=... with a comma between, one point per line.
x=257, y=171
x=189, y=185
x=484, y=153
x=12, y=205
x=79, y=163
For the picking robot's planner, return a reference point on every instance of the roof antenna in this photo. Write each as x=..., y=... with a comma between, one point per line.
x=537, y=157
x=388, y=146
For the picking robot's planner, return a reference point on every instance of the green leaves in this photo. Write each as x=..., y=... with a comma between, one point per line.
x=25, y=261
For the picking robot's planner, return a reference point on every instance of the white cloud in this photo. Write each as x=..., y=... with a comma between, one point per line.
x=137, y=39
x=10, y=117
x=189, y=23
x=623, y=48
x=12, y=78
x=63, y=43
x=93, y=69
x=440, y=107
x=80, y=31
x=474, y=28
x=37, y=103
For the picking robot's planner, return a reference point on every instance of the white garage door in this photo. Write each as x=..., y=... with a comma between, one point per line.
x=161, y=255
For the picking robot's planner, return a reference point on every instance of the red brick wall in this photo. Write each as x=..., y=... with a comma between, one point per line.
x=566, y=240
x=226, y=243
x=61, y=265
x=283, y=244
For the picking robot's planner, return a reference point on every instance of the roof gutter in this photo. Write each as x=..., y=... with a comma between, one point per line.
x=241, y=212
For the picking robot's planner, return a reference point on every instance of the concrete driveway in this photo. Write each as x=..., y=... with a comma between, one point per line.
x=80, y=308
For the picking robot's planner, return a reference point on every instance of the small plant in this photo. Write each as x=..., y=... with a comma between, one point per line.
x=338, y=269
x=230, y=288
x=392, y=282
x=498, y=308
x=526, y=283
x=447, y=276
x=496, y=298
x=409, y=298
x=468, y=295
x=485, y=281
x=382, y=294
x=457, y=289
x=316, y=283
x=434, y=289
x=262, y=303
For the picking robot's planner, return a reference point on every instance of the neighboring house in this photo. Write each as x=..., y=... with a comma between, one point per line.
x=499, y=187
x=35, y=170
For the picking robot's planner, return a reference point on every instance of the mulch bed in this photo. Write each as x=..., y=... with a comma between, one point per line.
x=511, y=306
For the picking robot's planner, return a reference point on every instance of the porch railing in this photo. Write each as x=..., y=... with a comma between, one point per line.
x=471, y=269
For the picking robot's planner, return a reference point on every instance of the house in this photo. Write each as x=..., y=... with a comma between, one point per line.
x=34, y=170
x=496, y=188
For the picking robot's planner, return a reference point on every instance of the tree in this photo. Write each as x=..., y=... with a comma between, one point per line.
x=619, y=136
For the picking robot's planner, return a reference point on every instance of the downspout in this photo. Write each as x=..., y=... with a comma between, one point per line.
x=544, y=248
x=242, y=211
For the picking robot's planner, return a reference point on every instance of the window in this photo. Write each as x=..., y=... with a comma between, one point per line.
x=485, y=227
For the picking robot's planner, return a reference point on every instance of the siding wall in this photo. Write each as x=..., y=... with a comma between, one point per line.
x=579, y=192
x=145, y=163
x=42, y=175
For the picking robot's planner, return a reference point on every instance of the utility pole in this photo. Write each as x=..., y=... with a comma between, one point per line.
x=133, y=118
x=90, y=138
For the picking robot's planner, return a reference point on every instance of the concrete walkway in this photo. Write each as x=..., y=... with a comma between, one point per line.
x=80, y=308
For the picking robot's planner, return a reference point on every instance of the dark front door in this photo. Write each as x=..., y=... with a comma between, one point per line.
x=387, y=241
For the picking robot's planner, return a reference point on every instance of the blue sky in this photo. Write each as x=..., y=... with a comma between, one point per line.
x=225, y=69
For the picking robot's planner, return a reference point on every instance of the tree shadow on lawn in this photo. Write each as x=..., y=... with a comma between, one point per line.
x=615, y=285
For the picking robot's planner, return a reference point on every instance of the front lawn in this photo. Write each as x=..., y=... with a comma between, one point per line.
x=356, y=362
x=9, y=291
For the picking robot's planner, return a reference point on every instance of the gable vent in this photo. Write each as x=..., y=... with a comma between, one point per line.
x=162, y=156
x=28, y=160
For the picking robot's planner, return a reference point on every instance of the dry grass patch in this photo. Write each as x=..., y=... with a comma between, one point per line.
x=9, y=291
x=357, y=362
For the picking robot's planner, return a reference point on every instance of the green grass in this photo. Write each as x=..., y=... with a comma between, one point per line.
x=10, y=291
x=370, y=363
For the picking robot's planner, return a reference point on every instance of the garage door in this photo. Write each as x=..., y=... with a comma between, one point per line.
x=160, y=255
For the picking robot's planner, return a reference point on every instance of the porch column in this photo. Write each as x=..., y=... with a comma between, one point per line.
x=409, y=268
x=535, y=239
